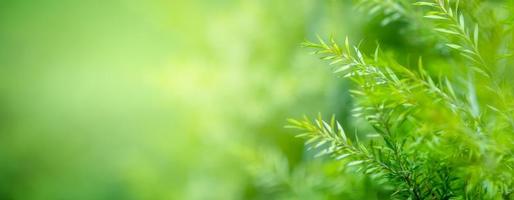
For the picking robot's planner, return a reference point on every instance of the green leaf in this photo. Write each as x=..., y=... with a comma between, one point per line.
x=435, y=17
x=475, y=35
x=454, y=46
x=446, y=31
x=353, y=163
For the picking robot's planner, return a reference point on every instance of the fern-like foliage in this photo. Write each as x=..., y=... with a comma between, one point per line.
x=439, y=138
x=386, y=164
x=451, y=21
x=391, y=10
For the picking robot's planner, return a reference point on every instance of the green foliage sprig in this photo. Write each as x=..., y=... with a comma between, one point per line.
x=436, y=140
x=391, y=10
x=452, y=22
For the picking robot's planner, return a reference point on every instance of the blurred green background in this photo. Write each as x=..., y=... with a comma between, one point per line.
x=160, y=99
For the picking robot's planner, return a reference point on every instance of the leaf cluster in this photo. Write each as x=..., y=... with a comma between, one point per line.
x=444, y=137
